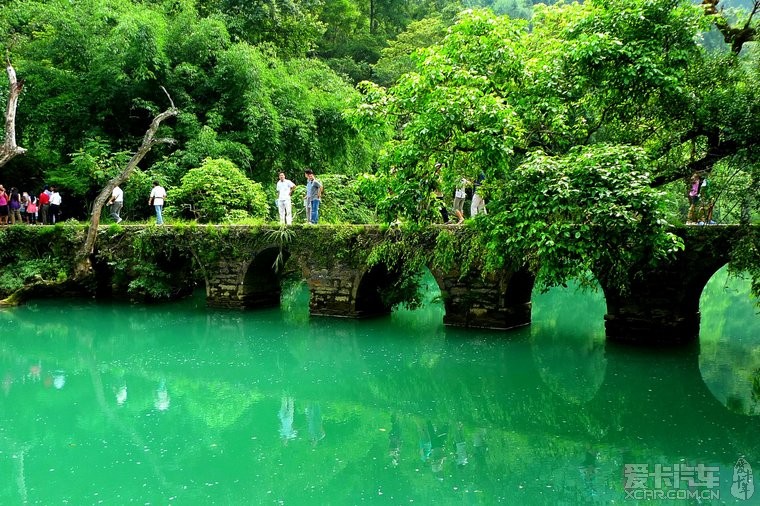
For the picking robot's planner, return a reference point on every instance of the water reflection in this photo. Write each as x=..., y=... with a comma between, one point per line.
x=316, y=428
x=35, y=372
x=394, y=410
x=121, y=394
x=568, y=343
x=286, y=416
x=730, y=355
x=59, y=379
x=394, y=440
x=460, y=445
x=161, y=401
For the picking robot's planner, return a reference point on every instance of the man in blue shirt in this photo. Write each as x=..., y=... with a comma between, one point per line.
x=313, y=196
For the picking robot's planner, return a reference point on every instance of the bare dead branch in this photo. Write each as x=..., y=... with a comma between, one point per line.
x=755, y=8
x=84, y=265
x=164, y=140
x=10, y=149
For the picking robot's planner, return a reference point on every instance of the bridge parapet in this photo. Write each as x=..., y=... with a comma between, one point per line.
x=659, y=305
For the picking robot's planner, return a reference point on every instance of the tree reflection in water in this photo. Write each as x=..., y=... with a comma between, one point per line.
x=411, y=410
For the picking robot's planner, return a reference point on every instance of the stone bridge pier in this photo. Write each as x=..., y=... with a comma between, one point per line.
x=338, y=290
x=246, y=282
x=497, y=301
x=661, y=305
x=347, y=291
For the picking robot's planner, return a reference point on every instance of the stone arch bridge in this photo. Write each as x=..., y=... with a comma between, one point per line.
x=242, y=267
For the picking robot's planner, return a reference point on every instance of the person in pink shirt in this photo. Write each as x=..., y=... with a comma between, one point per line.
x=693, y=199
x=3, y=206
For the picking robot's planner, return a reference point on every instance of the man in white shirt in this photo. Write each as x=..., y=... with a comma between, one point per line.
x=284, y=204
x=116, y=203
x=157, y=196
x=55, y=204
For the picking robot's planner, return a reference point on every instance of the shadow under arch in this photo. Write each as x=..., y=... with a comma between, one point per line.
x=371, y=297
x=172, y=268
x=261, y=284
x=729, y=337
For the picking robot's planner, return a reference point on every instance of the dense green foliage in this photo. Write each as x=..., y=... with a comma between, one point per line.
x=251, y=80
x=36, y=254
x=214, y=192
x=586, y=123
x=93, y=71
x=587, y=118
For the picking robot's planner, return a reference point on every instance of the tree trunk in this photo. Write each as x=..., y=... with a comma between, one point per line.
x=372, y=15
x=9, y=148
x=737, y=36
x=84, y=264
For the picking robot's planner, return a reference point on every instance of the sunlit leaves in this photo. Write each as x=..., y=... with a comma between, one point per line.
x=216, y=189
x=572, y=213
x=558, y=117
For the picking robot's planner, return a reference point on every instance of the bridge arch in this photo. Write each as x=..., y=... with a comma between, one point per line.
x=251, y=280
x=369, y=289
x=260, y=285
x=661, y=303
x=361, y=292
x=634, y=379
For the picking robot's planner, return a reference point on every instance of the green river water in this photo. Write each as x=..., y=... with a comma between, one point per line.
x=106, y=403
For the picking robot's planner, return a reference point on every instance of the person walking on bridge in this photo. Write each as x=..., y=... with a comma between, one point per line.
x=116, y=202
x=478, y=205
x=157, y=196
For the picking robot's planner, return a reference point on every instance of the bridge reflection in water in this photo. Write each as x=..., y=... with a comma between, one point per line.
x=181, y=404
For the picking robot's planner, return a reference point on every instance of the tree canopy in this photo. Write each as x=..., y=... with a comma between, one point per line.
x=586, y=118
x=587, y=121
x=93, y=72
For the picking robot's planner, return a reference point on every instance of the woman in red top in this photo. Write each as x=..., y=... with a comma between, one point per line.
x=44, y=206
